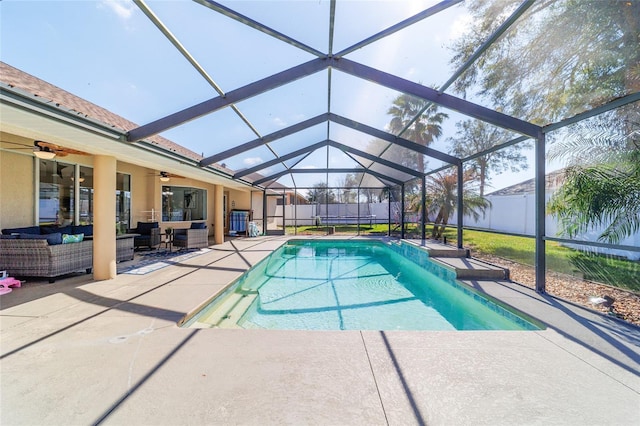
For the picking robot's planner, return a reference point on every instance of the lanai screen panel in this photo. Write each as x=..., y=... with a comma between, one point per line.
x=233, y=54
x=301, y=139
x=361, y=100
x=212, y=133
x=310, y=25
x=285, y=181
x=560, y=58
x=353, y=138
x=341, y=160
x=551, y=76
x=288, y=104
x=372, y=20
x=255, y=158
x=419, y=52
x=370, y=181
x=133, y=72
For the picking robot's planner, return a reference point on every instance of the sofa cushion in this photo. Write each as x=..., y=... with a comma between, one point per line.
x=198, y=225
x=144, y=228
x=24, y=230
x=52, y=239
x=72, y=238
x=87, y=230
x=9, y=237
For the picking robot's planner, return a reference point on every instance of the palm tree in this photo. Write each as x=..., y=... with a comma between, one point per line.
x=442, y=198
x=424, y=130
x=602, y=181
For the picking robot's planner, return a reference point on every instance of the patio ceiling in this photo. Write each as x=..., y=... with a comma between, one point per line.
x=292, y=92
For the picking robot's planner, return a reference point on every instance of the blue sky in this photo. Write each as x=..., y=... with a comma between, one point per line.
x=110, y=53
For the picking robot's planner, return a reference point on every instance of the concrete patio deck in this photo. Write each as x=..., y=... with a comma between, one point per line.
x=109, y=352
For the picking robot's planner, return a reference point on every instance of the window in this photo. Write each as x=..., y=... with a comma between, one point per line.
x=123, y=202
x=85, y=205
x=57, y=193
x=57, y=196
x=183, y=204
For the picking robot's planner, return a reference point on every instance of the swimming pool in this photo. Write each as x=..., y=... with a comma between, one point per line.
x=354, y=285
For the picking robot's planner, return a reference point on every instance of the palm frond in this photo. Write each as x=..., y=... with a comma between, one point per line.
x=606, y=195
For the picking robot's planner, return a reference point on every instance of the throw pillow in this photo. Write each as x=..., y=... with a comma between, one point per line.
x=72, y=238
x=52, y=239
x=198, y=225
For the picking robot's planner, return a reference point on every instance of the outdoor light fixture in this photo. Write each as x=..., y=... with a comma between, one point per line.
x=80, y=179
x=43, y=152
x=164, y=177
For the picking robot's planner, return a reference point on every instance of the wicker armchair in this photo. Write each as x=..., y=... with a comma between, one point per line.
x=195, y=237
x=149, y=235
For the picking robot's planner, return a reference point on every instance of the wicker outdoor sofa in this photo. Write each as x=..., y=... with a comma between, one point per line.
x=36, y=258
x=197, y=236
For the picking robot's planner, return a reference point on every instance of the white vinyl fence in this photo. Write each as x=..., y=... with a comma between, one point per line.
x=508, y=213
x=516, y=214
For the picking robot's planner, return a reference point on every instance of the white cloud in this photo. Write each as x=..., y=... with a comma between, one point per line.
x=279, y=122
x=123, y=8
x=252, y=161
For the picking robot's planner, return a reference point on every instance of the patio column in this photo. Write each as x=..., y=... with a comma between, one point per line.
x=540, y=190
x=460, y=204
x=358, y=201
x=218, y=214
x=264, y=212
x=423, y=207
x=389, y=213
x=104, y=226
x=402, y=212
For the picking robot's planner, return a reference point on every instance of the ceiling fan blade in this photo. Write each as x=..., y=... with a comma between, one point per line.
x=17, y=144
x=60, y=151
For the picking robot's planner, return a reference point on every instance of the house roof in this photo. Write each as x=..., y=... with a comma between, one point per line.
x=54, y=95
x=553, y=180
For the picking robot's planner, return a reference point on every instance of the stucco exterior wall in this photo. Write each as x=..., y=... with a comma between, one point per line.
x=239, y=200
x=16, y=190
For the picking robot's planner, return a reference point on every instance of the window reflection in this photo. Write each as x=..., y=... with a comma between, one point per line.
x=183, y=203
x=123, y=202
x=85, y=205
x=57, y=193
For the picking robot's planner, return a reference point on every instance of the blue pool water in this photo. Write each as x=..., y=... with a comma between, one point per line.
x=354, y=285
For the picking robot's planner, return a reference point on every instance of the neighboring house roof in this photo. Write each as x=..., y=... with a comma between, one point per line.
x=16, y=78
x=553, y=180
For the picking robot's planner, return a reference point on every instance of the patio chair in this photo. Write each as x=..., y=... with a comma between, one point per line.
x=195, y=237
x=149, y=235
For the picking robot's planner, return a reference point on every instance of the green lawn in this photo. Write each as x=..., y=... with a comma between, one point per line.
x=604, y=269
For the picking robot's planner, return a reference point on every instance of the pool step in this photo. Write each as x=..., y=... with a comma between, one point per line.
x=461, y=262
x=230, y=321
x=229, y=311
x=447, y=252
x=473, y=269
x=437, y=249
